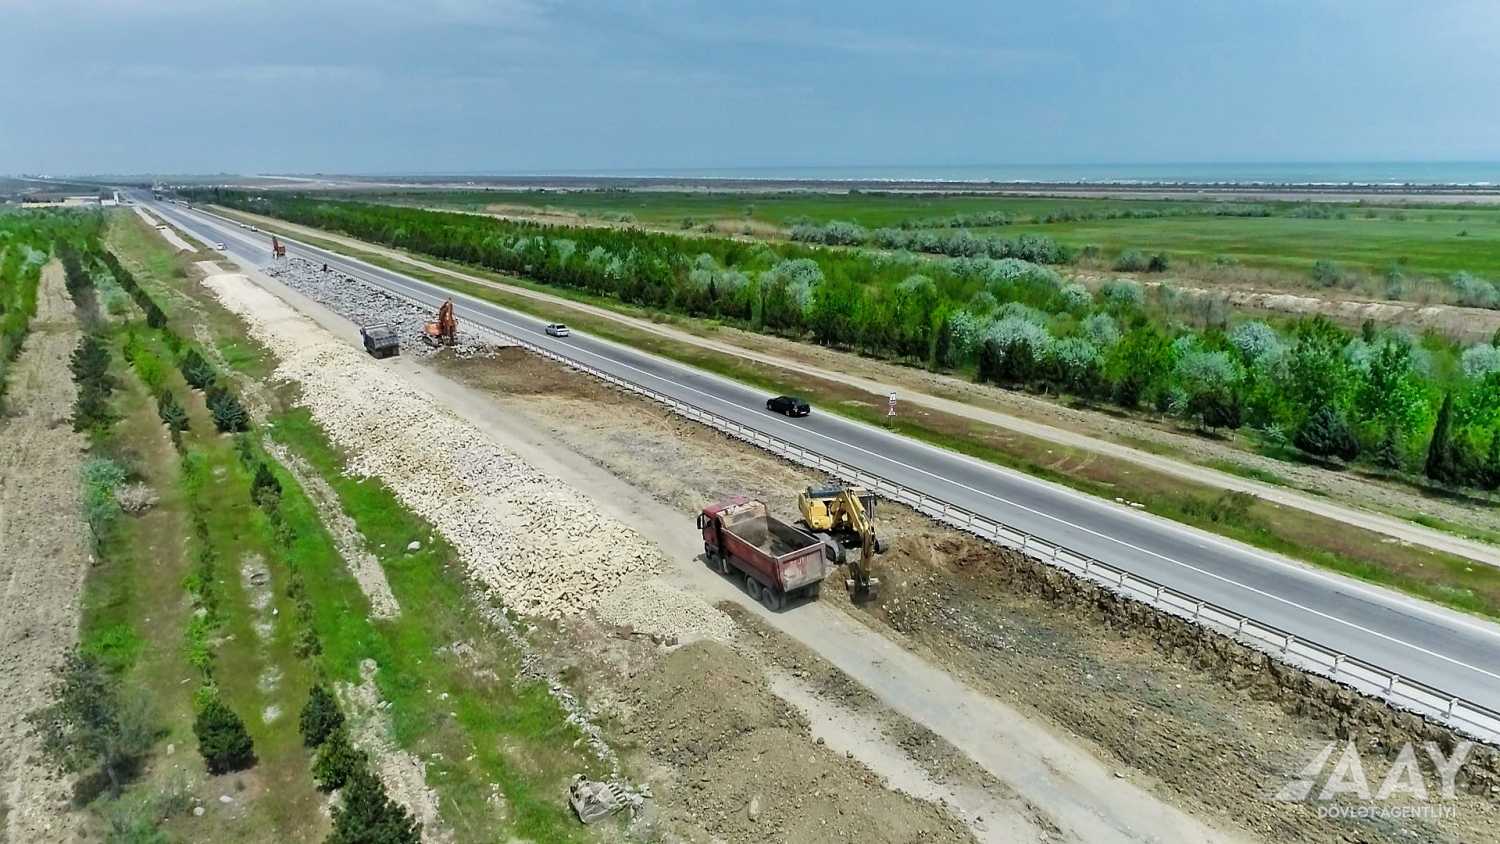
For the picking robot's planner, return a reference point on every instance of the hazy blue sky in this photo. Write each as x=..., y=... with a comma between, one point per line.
x=517, y=85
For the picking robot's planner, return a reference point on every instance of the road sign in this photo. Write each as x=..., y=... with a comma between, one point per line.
x=890, y=409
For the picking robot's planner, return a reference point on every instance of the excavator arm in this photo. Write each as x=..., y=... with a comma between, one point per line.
x=861, y=584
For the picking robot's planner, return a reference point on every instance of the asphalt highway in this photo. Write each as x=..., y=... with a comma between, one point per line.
x=1453, y=652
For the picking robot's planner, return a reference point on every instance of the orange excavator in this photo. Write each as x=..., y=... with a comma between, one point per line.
x=444, y=330
x=278, y=249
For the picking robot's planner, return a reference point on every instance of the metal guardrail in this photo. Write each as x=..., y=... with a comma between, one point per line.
x=1473, y=719
x=1465, y=716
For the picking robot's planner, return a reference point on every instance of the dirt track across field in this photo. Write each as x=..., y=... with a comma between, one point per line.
x=43, y=558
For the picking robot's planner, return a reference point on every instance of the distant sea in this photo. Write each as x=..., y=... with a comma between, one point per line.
x=1477, y=173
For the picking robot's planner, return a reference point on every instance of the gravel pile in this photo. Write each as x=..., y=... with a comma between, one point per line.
x=665, y=612
x=366, y=304
x=527, y=536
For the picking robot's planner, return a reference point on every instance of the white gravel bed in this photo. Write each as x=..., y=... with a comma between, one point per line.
x=537, y=543
x=366, y=304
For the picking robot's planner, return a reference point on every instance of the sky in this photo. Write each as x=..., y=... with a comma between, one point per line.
x=511, y=86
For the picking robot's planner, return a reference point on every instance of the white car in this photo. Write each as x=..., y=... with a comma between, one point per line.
x=220, y=246
x=557, y=329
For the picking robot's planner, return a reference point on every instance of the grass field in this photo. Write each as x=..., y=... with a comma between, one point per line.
x=1422, y=240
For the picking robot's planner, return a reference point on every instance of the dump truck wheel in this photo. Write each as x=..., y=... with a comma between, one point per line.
x=812, y=592
x=771, y=598
x=752, y=588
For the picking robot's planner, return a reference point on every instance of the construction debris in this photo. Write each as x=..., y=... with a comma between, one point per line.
x=594, y=801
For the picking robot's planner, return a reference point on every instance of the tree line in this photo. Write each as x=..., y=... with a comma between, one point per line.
x=1017, y=323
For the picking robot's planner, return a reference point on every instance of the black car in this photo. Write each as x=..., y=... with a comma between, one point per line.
x=788, y=406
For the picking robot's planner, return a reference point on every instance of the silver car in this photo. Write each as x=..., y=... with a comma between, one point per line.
x=557, y=329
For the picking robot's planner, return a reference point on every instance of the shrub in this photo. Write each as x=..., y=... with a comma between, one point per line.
x=1327, y=273
x=101, y=477
x=222, y=739
x=1325, y=434
x=1474, y=292
x=1075, y=296
x=172, y=413
x=198, y=372
x=320, y=716
x=1123, y=293
x=367, y=815
x=265, y=490
x=89, y=725
x=1132, y=261
x=1159, y=263
x=1479, y=361
x=337, y=761
x=229, y=415
x=1256, y=342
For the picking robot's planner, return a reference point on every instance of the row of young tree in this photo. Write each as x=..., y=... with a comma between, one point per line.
x=1013, y=322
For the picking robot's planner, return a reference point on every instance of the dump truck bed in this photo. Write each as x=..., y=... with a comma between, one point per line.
x=775, y=553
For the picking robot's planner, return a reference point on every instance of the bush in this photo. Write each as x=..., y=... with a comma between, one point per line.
x=222, y=739
x=229, y=415
x=1132, y=261
x=1327, y=273
x=1475, y=292
x=1159, y=263
x=88, y=725
x=265, y=490
x=337, y=761
x=198, y=372
x=367, y=815
x=172, y=413
x=1325, y=434
x=320, y=716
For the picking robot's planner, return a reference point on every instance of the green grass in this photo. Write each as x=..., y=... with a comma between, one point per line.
x=513, y=729
x=1424, y=240
x=1254, y=473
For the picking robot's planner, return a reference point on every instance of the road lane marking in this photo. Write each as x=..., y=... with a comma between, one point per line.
x=507, y=320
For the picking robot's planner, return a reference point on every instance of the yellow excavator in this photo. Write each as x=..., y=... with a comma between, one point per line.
x=841, y=517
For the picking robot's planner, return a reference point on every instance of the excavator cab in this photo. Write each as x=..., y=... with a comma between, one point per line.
x=841, y=517
x=442, y=331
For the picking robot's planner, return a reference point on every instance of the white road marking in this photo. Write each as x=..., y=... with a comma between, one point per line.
x=1017, y=476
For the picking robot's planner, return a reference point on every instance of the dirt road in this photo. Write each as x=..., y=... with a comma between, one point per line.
x=1058, y=787
x=43, y=558
x=918, y=389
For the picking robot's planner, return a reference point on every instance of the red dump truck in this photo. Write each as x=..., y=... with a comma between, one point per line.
x=779, y=561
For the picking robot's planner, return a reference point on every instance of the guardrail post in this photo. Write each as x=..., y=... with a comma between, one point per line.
x=993, y=530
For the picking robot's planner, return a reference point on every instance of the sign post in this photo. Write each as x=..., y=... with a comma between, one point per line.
x=890, y=409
